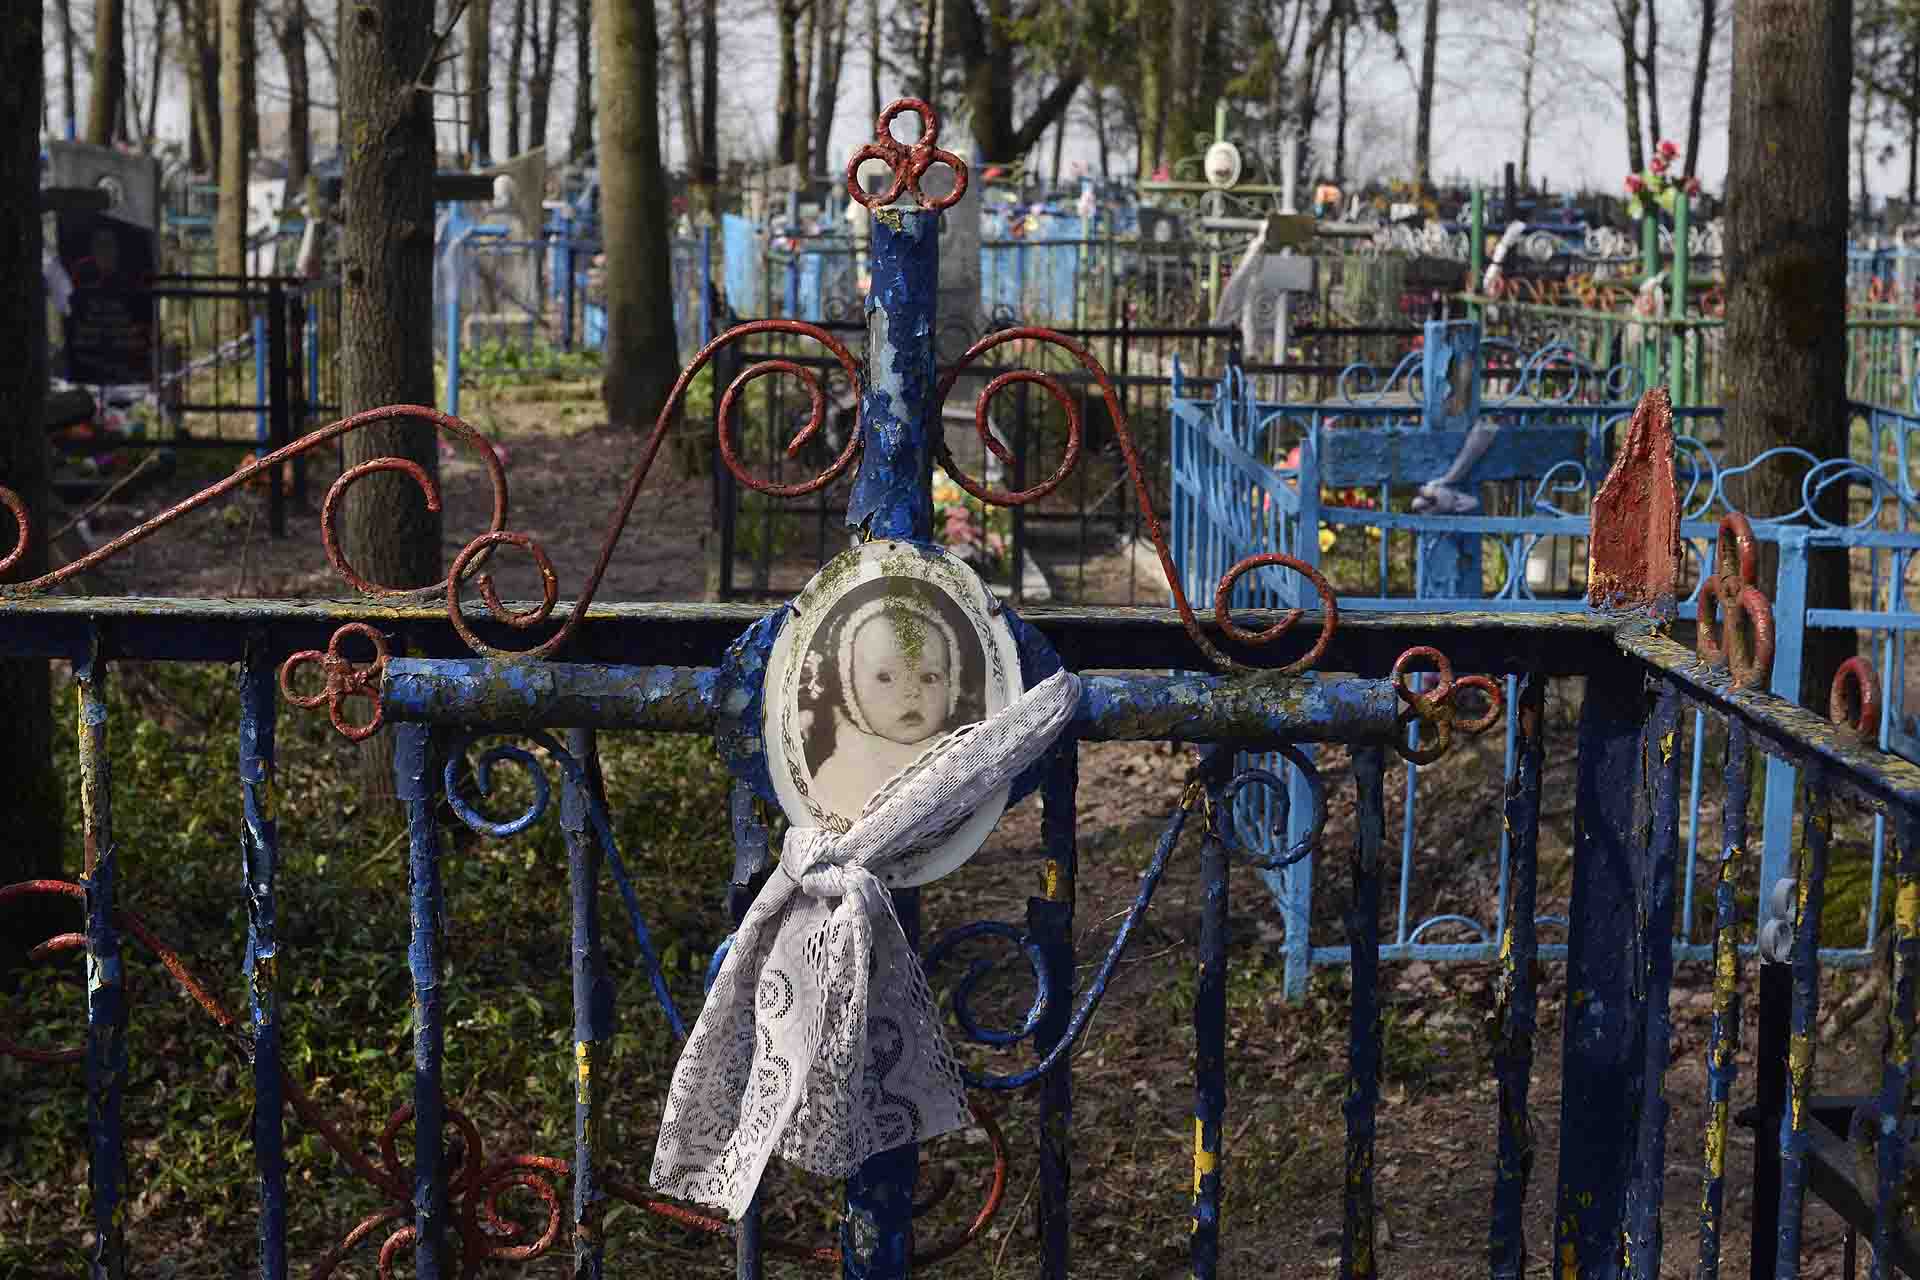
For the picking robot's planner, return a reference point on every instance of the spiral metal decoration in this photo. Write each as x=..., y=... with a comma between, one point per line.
x=1734, y=588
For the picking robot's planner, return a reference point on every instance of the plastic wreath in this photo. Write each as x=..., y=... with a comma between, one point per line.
x=1657, y=186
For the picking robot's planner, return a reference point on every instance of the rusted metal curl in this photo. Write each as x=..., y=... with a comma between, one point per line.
x=1435, y=709
x=909, y=161
x=1131, y=454
x=496, y=474
x=343, y=680
x=1734, y=589
x=542, y=612
x=1853, y=702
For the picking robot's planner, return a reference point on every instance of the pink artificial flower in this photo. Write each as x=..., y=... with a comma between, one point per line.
x=1667, y=149
x=1659, y=164
x=959, y=528
x=1634, y=185
x=1693, y=186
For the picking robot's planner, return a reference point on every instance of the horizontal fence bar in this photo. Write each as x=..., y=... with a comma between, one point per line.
x=1781, y=729
x=521, y=695
x=1087, y=638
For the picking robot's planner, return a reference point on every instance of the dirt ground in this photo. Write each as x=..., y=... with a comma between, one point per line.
x=1133, y=1103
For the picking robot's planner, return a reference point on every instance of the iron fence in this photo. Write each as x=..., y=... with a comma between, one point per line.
x=1258, y=680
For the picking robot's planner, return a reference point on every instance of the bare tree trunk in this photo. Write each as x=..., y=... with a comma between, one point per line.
x=31, y=793
x=1340, y=123
x=150, y=130
x=1423, y=118
x=683, y=68
x=929, y=51
x=1702, y=64
x=230, y=218
x=199, y=27
x=581, y=141
x=546, y=53
x=68, y=80
x=516, y=54
x=826, y=94
x=642, y=358
x=388, y=534
x=1913, y=132
x=1649, y=64
x=786, y=102
x=1786, y=271
x=803, y=122
x=1100, y=130
x=1059, y=142
x=1627, y=15
x=479, y=53
x=290, y=33
x=1530, y=59
x=873, y=57
x=109, y=71
x=710, y=99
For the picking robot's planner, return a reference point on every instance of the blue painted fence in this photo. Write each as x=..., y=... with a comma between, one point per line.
x=1251, y=476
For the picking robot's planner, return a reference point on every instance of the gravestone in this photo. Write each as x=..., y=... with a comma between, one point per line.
x=131, y=181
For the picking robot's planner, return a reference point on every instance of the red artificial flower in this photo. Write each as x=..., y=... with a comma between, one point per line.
x=1659, y=164
x=1634, y=185
x=1668, y=149
x=1693, y=186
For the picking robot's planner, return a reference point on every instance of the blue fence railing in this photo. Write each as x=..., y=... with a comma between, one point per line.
x=1306, y=479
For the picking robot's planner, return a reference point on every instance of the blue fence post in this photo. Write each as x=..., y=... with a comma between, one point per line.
x=706, y=285
x=592, y=1008
x=106, y=1052
x=261, y=434
x=892, y=497
x=456, y=248
x=1789, y=642
x=260, y=854
x=416, y=778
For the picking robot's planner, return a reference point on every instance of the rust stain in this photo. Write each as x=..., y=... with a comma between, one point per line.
x=1634, y=555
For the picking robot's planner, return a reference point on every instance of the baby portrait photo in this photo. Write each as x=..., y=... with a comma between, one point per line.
x=889, y=653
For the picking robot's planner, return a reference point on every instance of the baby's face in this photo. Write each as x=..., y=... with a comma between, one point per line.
x=903, y=694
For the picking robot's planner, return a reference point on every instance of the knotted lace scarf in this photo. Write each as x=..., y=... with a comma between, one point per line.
x=820, y=1041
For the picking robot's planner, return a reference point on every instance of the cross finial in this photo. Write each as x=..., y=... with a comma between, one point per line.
x=908, y=162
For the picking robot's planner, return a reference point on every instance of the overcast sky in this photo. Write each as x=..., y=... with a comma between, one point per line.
x=1580, y=139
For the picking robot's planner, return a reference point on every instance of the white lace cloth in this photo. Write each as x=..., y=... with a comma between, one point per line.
x=820, y=1041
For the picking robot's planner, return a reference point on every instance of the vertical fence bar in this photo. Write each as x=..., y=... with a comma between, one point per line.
x=1810, y=884
x=1515, y=997
x=1050, y=931
x=260, y=856
x=415, y=762
x=1210, y=1029
x=1789, y=611
x=1657, y=817
x=279, y=391
x=1769, y=1105
x=1723, y=1035
x=750, y=859
x=891, y=498
x=1677, y=306
x=1896, y=1078
x=1358, y=1260
x=261, y=434
x=1601, y=1077
x=592, y=1008
x=106, y=1055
